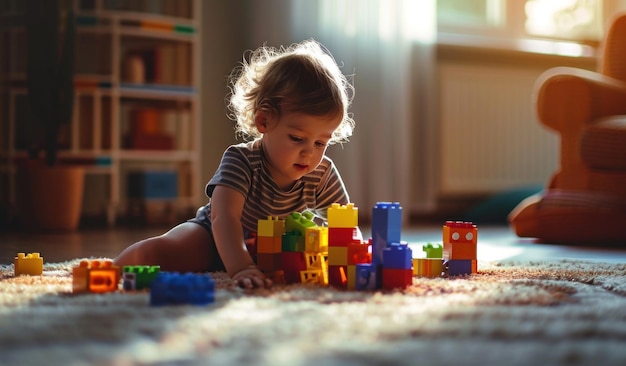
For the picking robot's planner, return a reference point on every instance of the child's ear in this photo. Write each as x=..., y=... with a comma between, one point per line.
x=262, y=121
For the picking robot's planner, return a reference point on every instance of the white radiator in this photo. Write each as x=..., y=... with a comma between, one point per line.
x=490, y=137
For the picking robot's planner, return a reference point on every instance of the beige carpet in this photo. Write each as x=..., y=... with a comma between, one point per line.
x=542, y=313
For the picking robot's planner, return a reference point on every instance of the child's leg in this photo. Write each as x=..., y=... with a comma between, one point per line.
x=187, y=247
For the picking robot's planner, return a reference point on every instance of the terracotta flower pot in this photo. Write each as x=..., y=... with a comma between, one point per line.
x=50, y=198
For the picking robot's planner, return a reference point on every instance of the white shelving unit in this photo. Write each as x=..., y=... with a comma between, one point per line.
x=166, y=34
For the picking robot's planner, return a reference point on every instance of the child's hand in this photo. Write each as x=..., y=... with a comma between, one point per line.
x=252, y=278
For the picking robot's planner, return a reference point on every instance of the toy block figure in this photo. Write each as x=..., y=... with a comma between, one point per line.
x=95, y=276
x=316, y=239
x=427, y=267
x=342, y=216
x=398, y=256
x=138, y=277
x=386, y=228
x=433, y=250
x=459, y=240
x=299, y=222
x=28, y=264
x=187, y=288
x=271, y=227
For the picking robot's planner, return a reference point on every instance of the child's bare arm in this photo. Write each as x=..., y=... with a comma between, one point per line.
x=226, y=208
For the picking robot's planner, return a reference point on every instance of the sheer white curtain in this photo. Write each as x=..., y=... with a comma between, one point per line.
x=388, y=47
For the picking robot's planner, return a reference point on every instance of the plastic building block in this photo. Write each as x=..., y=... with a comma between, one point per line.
x=28, y=264
x=433, y=250
x=397, y=278
x=292, y=241
x=292, y=264
x=338, y=276
x=365, y=277
x=359, y=253
x=312, y=276
x=342, y=216
x=138, y=277
x=398, y=256
x=269, y=262
x=316, y=239
x=299, y=222
x=459, y=267
x=427, y=267
x=170, y=288
x=459, y=232
x=269, y=244
x=271, y=227
x=459, y=251
x=386, y=228
x=95, y=276
x=342, y=236
x=337, y=256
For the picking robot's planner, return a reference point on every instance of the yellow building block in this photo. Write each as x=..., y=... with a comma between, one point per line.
x=316, y=239
x=337, y=256
x=342, y=216
x=351, y=277
x=312, y=276
x=273, y=226
x=28, y=264
x=427, y=267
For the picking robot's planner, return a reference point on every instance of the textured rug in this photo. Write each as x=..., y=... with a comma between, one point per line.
x=537, y=313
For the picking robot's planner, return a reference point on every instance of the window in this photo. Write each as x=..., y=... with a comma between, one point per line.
x=580, y=21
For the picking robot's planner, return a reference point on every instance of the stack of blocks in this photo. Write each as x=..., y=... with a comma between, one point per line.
x=95, y=276
x=459, y=248
x=28, y=264
x=293, y=250
x=269, y=246
x=345, y=246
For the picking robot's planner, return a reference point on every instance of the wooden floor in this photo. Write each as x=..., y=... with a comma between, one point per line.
x=495, y=243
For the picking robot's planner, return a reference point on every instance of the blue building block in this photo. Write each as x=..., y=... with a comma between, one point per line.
x=386, y=228
x=458, y=267
x=153, y=185
x=170, y=288
x=366, y=277
x=398, y=256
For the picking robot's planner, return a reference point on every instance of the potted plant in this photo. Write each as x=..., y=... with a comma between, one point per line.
x=43, y=183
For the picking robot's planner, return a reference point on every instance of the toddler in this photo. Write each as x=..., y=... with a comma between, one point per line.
x=291, y=103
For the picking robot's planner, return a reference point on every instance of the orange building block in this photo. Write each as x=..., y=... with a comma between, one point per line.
x=95, y=276
x=427, y=267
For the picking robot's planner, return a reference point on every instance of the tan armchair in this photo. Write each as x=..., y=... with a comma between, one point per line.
x=585, y=200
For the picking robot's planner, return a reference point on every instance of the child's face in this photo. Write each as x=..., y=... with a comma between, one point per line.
x=294, y=144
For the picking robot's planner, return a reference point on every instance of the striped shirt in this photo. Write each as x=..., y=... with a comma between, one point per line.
x=242, y=168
